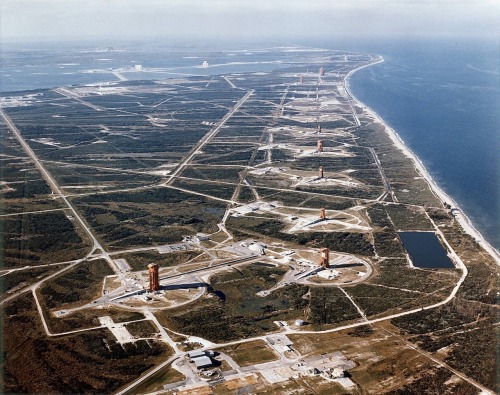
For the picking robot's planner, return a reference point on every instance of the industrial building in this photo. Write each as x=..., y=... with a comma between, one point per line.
x=202, y=359
x=203, y=362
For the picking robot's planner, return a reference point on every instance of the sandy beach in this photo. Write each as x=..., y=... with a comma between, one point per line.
x=460, y=216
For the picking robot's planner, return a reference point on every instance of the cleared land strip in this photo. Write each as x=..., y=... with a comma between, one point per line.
x=33, y=212
x=387, y=185
x=443, y=364
x=276, y=115
x=17, y=269
x=205, y=139
x=145, y=376
x=70, y=95
x=55, y=188
x=34, y=286
x=361, y=312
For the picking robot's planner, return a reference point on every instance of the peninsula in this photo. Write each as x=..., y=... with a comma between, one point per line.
x=236, y=232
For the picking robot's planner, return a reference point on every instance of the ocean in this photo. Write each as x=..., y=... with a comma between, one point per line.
x=441, y=97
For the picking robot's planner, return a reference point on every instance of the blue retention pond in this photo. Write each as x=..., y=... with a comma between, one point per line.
x=425, y=250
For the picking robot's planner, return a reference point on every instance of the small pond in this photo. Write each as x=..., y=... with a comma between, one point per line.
x=425, y=250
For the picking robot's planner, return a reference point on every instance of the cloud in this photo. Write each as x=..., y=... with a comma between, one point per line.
x=59, y=19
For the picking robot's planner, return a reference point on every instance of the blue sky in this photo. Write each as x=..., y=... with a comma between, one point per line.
x=242, y=19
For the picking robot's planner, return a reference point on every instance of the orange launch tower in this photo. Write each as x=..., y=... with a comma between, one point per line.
x=322, y=214
x=321, y=172
x=324, y=257
x=154, y=277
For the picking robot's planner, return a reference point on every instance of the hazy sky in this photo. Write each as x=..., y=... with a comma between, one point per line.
x=241, y=19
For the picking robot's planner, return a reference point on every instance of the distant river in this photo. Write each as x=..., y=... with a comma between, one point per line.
x=443, y=100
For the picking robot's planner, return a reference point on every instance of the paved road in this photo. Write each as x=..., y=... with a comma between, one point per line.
x=56, y=189
x=32, y=212
x=34, y=286
x=209, y=136
x=387, y=185
x=70, y=95
x=147, y=375
x=444, y=365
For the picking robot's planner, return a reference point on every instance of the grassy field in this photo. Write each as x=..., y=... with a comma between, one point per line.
x=33, y=239
x=77, y=286
x=250, y=353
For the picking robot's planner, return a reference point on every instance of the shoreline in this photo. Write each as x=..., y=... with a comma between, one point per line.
x=460, y=217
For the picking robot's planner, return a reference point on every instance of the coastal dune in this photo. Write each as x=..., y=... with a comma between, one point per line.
x=461, y=217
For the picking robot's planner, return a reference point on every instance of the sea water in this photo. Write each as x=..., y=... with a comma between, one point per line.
x=442, y=98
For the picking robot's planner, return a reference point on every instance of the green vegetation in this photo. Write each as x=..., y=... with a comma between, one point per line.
x=416, y=279
x=156, y=382
x=467, y=329
x=329, y=306
x=245, y=195
x=375, y=300
x=36, y=364
x=28, y=189
x=40, y=238
x=388, y=244
x=250, y=353
x=409, y=218
x=217, y=190
x=233, y=310
x=444, y=317
x=119, y=188
x=78, y=286
x=379, y=218
x=436, y=382
x=150, y=217
x=140, y=260
x=355, y=243
x=316, y=200
x=142, y=328
x=21, y=278
x=13, y=206
x=477, y=285
x=230, y=174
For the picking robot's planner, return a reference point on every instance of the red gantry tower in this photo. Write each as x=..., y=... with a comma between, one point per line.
x=154, y=277
x=324, y=257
